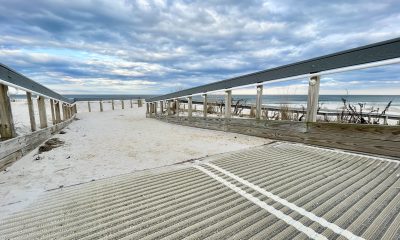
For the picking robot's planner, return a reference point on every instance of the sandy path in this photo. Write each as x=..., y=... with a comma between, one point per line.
x=101, y=145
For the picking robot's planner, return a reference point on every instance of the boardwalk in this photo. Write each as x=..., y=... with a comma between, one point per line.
x=277, y=191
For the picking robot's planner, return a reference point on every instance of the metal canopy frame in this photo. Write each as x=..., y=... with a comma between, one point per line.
x=346, y=60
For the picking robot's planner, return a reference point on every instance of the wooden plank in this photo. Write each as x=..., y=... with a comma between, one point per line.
x=53, y=116
x=312, y=101
x=190, y=106
x=42, y=112
x=259, y=101
x=228, y=103
x=373, y=139
x=7, y=128
x=58, y=113
x=31, y=111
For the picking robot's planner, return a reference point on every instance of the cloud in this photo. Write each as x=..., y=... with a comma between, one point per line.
x=118, y=46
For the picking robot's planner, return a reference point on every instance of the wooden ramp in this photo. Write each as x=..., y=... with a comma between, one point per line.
x=277, y=191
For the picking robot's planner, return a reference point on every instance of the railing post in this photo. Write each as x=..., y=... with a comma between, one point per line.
x=228, y=101
x=101, y=105
x=122, y=103
x=162, y=107
x=53, y=116
x=205, y=104
x=64, y=112
x=312, y=102
x=42, y=112
x=177, y=107
x=7, y=129
x=190, y=100
x=58, y=113
x=168, y=107
x=88, y=104
x=31, y=111
x=259, y=101
x=112, y=104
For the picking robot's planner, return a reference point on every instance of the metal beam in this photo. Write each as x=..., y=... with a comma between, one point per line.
x=376, y=52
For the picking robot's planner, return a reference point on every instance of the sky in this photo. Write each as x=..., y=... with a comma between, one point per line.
x=161, y=46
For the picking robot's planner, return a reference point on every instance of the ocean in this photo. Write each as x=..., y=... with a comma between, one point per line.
x=331, y=102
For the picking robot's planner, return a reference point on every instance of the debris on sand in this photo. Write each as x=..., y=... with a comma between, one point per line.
x=50, y=144
x=62, y=132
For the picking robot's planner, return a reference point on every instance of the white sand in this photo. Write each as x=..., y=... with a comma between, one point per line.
x=101, y=145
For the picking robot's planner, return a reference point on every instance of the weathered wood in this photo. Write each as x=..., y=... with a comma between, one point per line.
x=205, y=105
x=122, y=104
x=140, y=103
x=147, y=108
x=65, y=117
x=155, y=108
x=190, y=106
x=228, y=103
x=373, y=139
x=13, y=149
x=312, y=101
x=101, y=105
x=169, y=107
x=131, y=103
x=53, y=115
x=31, y=111
x=112, y=104
x=177, y=107
x=7, y=129
x=89, y=108
x=42, y=112
x=259, y=101
x=162, y=107
x=58, y=112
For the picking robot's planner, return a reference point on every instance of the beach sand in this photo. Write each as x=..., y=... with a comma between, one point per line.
x=104, y=144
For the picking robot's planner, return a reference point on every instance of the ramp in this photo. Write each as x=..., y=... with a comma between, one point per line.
x=277, y=191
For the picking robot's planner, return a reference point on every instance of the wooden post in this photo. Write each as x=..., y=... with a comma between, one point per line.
x=190, y=107
x=101, y=105
x=259, y=101
x=131, y=103
x=177, y=107
x=162, y=107
x=7, y=129
x=122, y=103
x=75, y=108
x=228, y=101
x=88, y=104
x=112, y=104
x=64, y=112
x=385, y=120
x=169, y=107
x=312, y=102
x=155, y=108
x=53, y=116
x=42, y=112
x=140, y=103
x=58, y=113
x=205, y=104
x=31, y=111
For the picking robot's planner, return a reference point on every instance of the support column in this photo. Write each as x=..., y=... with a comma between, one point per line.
x=190, y=107
x=58, y=113
x=53, y=116
x=228, y=102
x=162, y=107
x=7, y=129
x=122, y=103
x=88, y=104
x=205, y=104
x=31, y=111
x=259, y=101
x=177, y=107
x=313, y=96
x=112, y=104
x=101, y=105
x=42, y=112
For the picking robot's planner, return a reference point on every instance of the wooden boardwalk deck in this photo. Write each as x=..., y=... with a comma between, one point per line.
x=277, y=191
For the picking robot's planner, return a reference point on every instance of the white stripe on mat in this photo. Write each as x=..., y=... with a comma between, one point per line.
x=289, y=220
x=335, y=228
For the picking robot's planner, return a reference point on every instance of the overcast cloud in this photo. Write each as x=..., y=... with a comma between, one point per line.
x=159, y=46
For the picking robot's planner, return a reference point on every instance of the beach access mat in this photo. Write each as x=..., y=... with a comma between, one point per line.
x=276, y=191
